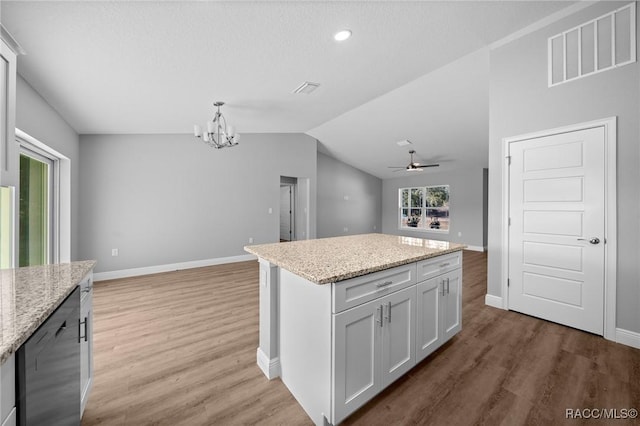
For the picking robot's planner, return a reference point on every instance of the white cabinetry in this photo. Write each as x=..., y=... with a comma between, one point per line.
x=439, y=307
x=9, y=157
x=9, y=176
x=86, y=340
x=373, y=346
x=340, y=344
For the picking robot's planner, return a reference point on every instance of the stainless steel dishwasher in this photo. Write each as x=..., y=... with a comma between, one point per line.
x=48, y=369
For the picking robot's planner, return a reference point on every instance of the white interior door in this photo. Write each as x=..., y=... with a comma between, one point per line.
x=286, y=230
x=556, y=232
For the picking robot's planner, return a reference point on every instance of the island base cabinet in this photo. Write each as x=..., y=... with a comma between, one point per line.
x=373, y=346
x=439, y=312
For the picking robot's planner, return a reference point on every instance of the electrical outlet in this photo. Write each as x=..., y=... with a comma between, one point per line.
x=375, y=227
x=114, y=252
x=459, y=234
x=270, y=210
x=250, y=240
x=346, y=229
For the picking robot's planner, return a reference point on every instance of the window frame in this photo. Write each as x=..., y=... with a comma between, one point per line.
x=423, y=209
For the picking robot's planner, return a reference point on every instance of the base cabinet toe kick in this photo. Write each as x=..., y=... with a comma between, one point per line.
x=336, y=346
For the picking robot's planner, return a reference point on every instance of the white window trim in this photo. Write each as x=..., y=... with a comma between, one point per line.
x=421, y=230
x=61, y=228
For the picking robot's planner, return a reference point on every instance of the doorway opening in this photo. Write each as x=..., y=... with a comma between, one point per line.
x=288, y=196
x=43, y=228
x=37, y=215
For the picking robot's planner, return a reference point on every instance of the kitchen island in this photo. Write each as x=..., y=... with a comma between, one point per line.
x=28, y=297
x=342, y=318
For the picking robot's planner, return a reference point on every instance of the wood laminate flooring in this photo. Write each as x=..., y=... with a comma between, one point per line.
x=179, y=348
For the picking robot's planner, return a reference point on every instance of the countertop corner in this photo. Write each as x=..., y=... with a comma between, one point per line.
x=29, y=295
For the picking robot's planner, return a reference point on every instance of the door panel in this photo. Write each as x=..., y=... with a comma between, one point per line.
x=556, y=204
x=428, y=337
x=452, y=303
x=358, y=336
x=398, y=337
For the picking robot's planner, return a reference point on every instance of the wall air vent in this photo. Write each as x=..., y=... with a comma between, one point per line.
x=307, y=87
x=601, y=44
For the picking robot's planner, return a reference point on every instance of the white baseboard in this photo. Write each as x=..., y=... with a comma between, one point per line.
x=475, y=248
x=134, y=272
x=494, y=301
x=270, y=367
x=629, y=338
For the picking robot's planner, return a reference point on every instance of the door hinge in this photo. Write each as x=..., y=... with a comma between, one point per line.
x=508, y=157
x=508, y=282
x=509, y=221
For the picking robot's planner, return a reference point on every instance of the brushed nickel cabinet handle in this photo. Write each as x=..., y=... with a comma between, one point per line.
x=379, y=311
x=442, y=265
x=389, y=313
x=384, y=284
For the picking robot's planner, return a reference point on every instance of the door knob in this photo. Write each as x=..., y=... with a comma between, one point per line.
x=594, y=240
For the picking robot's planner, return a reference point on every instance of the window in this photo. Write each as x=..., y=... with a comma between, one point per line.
x=601, y=44
x=424, y=208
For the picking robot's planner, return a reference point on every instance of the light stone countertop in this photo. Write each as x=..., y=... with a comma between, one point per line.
x=328, y=260
x=29, y=295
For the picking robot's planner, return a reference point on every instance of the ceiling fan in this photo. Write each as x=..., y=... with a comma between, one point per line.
x=413, y=166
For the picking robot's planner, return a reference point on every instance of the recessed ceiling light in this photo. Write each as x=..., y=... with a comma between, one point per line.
x=404, y=142
x=342, y=35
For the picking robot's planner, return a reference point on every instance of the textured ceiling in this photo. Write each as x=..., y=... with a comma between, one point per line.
x=157, y=66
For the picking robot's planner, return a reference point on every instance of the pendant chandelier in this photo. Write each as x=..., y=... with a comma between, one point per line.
x=218, y=135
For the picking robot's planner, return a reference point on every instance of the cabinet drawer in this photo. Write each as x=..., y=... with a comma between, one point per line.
x=435, y=266
x=349, y=293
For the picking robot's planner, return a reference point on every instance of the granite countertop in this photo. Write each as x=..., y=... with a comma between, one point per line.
x=328, y=260
x=29, y=295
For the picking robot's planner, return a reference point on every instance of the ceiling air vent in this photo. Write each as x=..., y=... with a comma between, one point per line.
x=404, y=142
x=307, y=87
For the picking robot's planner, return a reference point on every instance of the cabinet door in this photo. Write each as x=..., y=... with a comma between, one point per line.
x=398, y=338
x=452, y=304
x=356, y=374
x=9, y=157
x=86, y=348
x=428, y=317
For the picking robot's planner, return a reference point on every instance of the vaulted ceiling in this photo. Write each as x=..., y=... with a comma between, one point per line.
x=408, y=72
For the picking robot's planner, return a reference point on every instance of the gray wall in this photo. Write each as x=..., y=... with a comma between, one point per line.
x=162, y=199
x=360, y=213
x=521, y=102
x=465, y=204
x=38, y=119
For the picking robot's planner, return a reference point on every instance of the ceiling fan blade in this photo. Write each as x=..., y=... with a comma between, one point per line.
x=399, y=170
x=397, y=167
x=427, y=165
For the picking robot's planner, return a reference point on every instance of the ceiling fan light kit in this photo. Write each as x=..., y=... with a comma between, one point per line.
x=413, y=166
x=218, y=135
